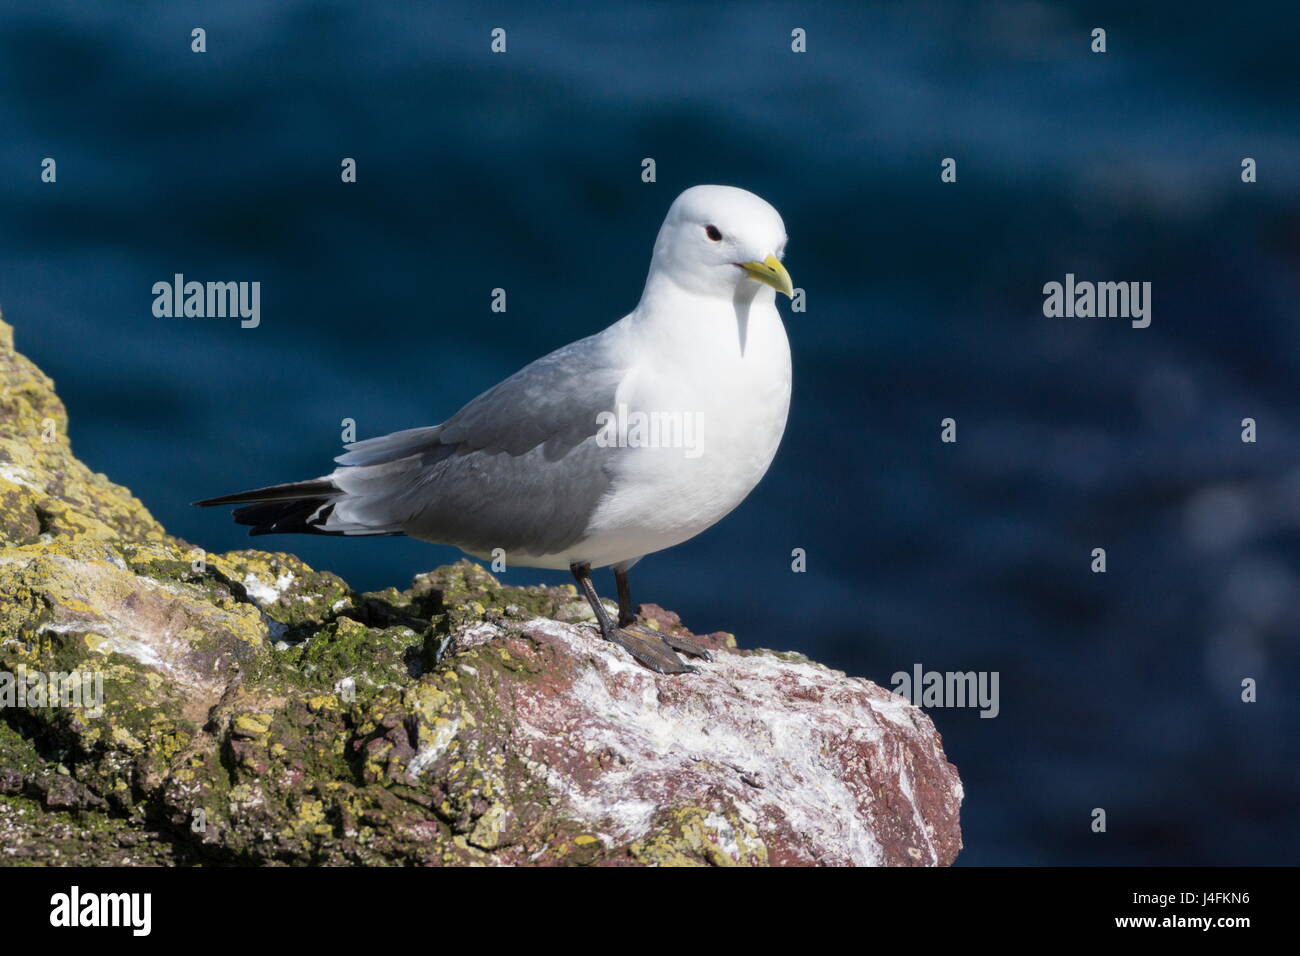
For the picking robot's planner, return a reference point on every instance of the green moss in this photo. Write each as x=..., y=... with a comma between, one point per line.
x=692, y=836
x=34, y=836
x=44, y=489
x=347, y=649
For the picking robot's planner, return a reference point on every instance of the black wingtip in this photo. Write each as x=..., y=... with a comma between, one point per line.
x=292, y=491
x=222, y=500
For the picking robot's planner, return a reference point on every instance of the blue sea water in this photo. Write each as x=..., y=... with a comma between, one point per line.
x=522, y=170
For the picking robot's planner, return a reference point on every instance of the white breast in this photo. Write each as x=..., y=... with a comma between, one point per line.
x=720, y=385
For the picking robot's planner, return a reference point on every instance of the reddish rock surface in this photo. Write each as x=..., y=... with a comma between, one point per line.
x=758, y=758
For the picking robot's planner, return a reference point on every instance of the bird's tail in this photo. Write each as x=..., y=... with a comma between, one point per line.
x=298, y=507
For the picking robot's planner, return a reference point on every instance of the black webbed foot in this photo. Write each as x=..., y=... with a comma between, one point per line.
x=676, y=643
x=652, y=652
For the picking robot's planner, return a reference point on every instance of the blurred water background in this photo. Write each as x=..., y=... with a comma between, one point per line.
x=521, y=171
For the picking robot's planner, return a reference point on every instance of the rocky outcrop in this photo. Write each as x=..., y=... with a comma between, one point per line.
x=243, y=708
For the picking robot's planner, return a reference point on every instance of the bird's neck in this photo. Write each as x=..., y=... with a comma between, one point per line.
x=663, y=296
x=707, y=328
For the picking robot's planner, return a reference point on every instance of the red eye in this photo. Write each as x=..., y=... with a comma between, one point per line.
x=713, y=233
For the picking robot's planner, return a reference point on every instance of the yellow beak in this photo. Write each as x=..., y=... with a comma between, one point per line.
x=770, y=272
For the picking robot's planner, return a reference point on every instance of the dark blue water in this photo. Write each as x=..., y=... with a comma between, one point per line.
x=522, y=171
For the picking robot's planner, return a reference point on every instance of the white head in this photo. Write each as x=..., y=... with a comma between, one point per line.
x=715, y=238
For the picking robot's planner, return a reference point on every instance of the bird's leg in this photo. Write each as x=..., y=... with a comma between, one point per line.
x=652, y=652
x=626, y=615
x=627, y=621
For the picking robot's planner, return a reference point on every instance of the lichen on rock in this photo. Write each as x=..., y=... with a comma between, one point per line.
x=257, y=711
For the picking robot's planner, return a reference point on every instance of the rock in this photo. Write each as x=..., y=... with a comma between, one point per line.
x=251, y=710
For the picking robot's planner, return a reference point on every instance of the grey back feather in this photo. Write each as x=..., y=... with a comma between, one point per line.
x=517, y=468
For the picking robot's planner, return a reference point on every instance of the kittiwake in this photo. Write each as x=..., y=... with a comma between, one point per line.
x=616, y=446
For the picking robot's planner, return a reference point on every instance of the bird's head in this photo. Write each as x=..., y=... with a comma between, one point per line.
x=715, y=238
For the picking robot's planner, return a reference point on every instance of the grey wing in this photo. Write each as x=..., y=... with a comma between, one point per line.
x=518, y=468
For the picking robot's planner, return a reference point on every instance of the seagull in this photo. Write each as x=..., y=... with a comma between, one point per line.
x=608, y=449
